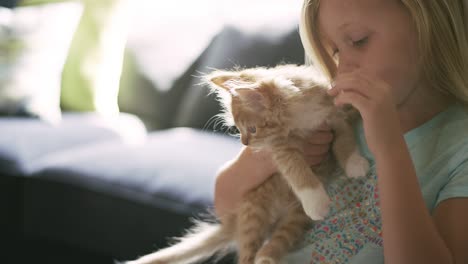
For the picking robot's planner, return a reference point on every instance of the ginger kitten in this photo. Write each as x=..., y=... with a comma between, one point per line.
x=275, y=108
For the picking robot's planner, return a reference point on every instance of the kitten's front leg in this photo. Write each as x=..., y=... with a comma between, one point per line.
x=303, y=181
x=346, y=150
x=315, y=202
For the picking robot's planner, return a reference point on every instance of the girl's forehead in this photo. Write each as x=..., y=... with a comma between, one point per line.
x=367, y=5
x=337, y=14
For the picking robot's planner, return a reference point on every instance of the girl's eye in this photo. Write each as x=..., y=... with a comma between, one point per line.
x=252, y=129
x=361, y=42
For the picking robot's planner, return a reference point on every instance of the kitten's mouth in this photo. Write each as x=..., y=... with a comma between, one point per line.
x=245, y=137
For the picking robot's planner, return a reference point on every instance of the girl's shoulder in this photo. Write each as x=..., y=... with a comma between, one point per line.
x=454, y=127
x=439, y=150
x=445, y=130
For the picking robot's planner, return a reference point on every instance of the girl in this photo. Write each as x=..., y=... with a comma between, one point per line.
x=404, y=65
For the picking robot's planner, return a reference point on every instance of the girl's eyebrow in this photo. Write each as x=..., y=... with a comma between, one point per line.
x=323, y=36
x=325, y=41
x=343, y=26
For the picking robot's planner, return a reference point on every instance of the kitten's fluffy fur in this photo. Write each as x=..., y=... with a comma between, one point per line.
x=275, y=108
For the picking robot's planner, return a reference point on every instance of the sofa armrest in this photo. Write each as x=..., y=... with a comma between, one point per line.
x=25, y=141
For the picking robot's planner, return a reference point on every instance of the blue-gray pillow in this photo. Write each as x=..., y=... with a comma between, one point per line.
x=34, y=43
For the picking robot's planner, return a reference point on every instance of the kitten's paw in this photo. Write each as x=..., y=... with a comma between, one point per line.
x=356, y=166
x=315, y=202
x=265, y=260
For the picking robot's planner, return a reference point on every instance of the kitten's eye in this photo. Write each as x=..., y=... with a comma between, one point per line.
x=252, y=129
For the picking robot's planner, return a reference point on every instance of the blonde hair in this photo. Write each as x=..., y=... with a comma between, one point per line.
x=442, y=36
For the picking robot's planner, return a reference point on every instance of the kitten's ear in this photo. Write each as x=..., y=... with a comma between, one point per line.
x=239, y=86
x=229, y=80
x=224, y=81
x=252, y=98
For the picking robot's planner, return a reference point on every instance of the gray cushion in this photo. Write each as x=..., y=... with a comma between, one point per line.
x=24, y=141
x=187, y=103
x=136, y=194
x=8, y=3
x=234, y=47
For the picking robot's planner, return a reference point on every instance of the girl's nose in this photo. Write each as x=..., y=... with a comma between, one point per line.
x=346, y=64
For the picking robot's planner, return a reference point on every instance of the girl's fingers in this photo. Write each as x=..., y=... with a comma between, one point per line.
x=317, y=147
x=316, y=150
x=324, y=127
x=348, y=84
x=321, y=137
x=352, y=98
x=356, y=81
x=315, y=160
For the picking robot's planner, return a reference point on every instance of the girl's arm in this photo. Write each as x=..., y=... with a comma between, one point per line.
x=451, y=218
x=248, y=170
x=251, y=168
x=410, y=234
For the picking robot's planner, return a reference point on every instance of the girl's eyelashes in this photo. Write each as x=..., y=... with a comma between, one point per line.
x=335, y=53
x=357, y=44
x=361, y=42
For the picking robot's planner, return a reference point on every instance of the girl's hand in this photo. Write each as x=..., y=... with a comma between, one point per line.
x=246, y=171
x=251, y=168
x=373, y=98
x=317, y=147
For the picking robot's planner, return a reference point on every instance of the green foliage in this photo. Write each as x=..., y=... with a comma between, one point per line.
x=78, y=76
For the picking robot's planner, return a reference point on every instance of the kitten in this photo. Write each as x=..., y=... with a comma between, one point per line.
x=275, y=108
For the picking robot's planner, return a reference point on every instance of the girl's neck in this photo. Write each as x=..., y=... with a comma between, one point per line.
x=422, y=107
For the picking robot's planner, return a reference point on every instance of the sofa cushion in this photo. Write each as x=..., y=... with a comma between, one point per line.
x=124, y=199
x=8, y=3
x=25, y=142
x=167, y=91
x=166, y=61
x=234, y=47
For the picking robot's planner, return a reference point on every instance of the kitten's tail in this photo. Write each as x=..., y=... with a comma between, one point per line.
x=202, y=242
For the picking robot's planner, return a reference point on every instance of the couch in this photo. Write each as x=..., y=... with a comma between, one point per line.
x=95, y=189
